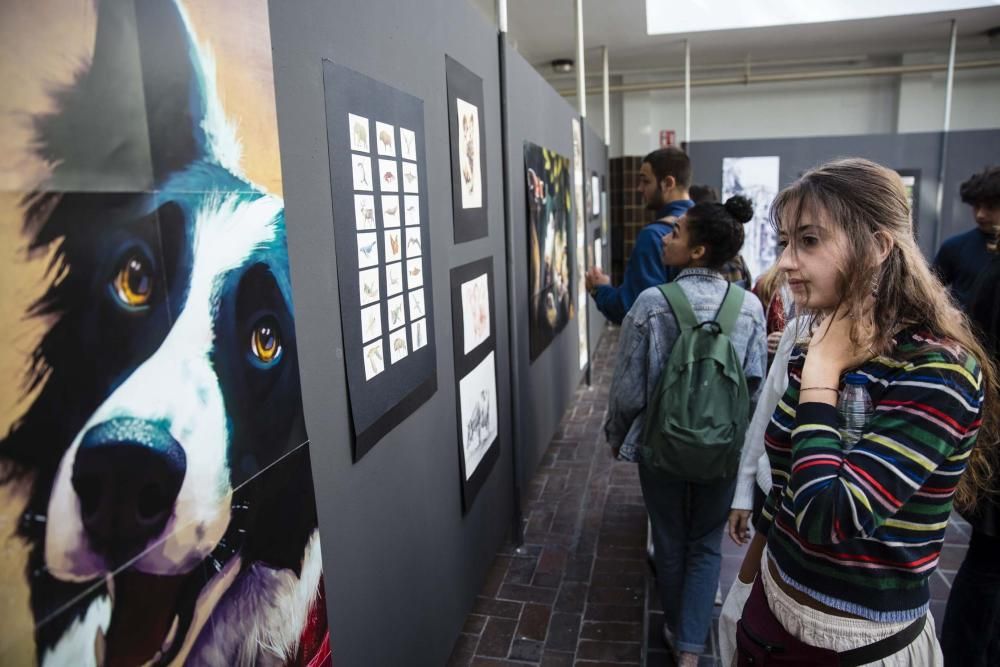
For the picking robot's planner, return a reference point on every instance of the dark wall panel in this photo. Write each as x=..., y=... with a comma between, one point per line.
x=538, y=114
x=403, y=564
x=968, y=152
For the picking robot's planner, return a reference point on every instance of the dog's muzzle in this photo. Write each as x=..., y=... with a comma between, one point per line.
x=127, y=475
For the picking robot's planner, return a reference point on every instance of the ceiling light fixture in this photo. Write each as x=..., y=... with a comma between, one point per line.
x=562, y=65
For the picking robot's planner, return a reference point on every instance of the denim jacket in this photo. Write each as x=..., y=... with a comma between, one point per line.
x=648, y=334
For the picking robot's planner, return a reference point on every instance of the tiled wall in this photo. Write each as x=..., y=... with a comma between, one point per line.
x=628, y=214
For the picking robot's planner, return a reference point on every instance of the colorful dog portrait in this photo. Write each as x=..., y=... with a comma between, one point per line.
x=156, y=491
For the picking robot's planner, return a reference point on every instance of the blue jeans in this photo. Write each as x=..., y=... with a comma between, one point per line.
x=687, y=521
x=970, y=636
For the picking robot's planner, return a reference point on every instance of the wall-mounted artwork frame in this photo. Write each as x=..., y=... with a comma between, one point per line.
x=383, y=272
x=911, y=181
x=474, y=338
x=467, y=130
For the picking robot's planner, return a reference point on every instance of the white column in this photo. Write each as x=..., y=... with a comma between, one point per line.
x=687, y=91
x=607, y=96
x=943, y=171
x=581, y=80
x=502, y=15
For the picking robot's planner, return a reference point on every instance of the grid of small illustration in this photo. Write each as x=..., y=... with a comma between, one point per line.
x=387, y=218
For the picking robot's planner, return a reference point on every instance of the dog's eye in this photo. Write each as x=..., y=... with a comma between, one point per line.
x=265, y=341
x=133, y=284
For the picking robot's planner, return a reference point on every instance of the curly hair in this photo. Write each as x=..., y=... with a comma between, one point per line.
x=982, y=189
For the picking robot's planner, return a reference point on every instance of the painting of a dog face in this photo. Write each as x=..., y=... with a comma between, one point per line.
x=157, y=467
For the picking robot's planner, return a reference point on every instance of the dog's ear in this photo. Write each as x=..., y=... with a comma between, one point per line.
x=145, y=107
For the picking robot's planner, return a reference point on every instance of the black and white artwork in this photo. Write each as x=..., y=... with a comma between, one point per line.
x=474, y=333
x=377, y=163
x=755, y=178
x=466, y=125
x=595, y=197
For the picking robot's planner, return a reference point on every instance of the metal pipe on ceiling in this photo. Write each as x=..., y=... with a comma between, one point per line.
x=817, y=75
x=687, y=91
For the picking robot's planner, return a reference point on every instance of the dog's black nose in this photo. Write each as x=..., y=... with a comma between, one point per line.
x=127, y=475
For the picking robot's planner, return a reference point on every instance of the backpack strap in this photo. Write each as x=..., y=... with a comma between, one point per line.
x=679, y=303
x=729, y=311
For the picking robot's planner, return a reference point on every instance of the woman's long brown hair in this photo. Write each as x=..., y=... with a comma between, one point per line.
x=869, y=203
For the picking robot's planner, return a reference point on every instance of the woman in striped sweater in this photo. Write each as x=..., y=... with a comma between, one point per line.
x=853, y=534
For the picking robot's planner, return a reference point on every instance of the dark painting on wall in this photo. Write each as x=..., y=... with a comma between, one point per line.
x=467, y=128
x=156, y=503
x=550, y=270
x=380, y=223
x=474, y=325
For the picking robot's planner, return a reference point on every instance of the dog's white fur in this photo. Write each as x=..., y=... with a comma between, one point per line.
x=76, y=645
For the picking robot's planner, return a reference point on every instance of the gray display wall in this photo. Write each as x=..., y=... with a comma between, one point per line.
x=537, y=114
x=402, y=562
x=595, y=157
x=968, y=152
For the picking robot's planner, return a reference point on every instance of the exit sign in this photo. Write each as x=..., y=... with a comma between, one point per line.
x=667, y=138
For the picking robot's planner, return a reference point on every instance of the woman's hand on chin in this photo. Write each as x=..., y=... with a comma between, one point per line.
x=832, y=352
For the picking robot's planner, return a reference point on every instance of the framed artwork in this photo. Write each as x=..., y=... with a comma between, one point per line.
x=581, y=211
x=550, y=265
x=755, y=178
x=595, y=202
x=378, y=171
x=474, y=325
x=911, y=181
x=467, y=128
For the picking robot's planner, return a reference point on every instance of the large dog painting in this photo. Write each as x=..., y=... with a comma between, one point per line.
x=157, y=497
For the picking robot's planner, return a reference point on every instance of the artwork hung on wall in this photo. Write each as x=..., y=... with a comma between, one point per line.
x=595, y=187
x=598, y=254
x=474, y=327
x=157, y=480
x=911, y=182
x=755, y=178
x=385, y=292
x=580, y=212
x=467, y=128
x=550, y=264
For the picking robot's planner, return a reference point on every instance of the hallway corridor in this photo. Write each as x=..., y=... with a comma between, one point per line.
x=579, y=590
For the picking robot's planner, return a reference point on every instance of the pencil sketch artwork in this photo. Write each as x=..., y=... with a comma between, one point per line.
x=371, y=323
x=367, y=249
x=411, y=212
x=397, y=312
x=364, y=211
x=397, y=346
x=469, y=154
x=393, y=245
x=478, y=402
x=361, y=169
x=358, y=126
x=412, y=242
x=390, y=210
x=414, y=272
x=408, y=148
x=368, y=286
x=475, y=312
x=393, y=278
x=388, y=180
x=374, y=359
x=409, y=177
x=418, y=333
x=756, y=178
x=386, y=136
x=595, y=189
x=417, y=303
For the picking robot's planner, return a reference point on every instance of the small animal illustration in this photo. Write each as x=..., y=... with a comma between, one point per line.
x=392, y=211
x=411, y=208
x=409, y=176
x=413, y=243
x=418, y=336
x=371, y=324
x=370, y=290
x=408, y=143
x=362, y=177
x=374, y=357
x=415, y=271
x=417, y=307
x=394, y=243
x=369, y=249
x=388, y=177
x=360, y=136
x=394, y=278
x=397, y=314
x=385, y=138
x=478, y=427
x=399, y=344
x=468, y=137
x=367, y=214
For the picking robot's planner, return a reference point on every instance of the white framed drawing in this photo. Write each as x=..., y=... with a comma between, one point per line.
x=598, y=258
x=413, y=242
x=371, y=323
x=368, y=286
x=361, y=170
x=374, y=359
x=417, y=308
x=397, y=312
x=755, y=178
x=367, y=249
x=390, y=210
x=397, y=345
x=387, y=175
x=364, y=211
x=385, y=135
x=478, y=406
x=475, y=312
x=393, y=278
x=408, y=144
x=468, y=154
x=409, y=177
x=358, y=127
x=418, y=333
x=393, y=245
x=414, y=273
x=411, y=212
x=595, y=200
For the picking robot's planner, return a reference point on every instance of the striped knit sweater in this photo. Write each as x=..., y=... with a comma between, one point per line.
x=862, y=533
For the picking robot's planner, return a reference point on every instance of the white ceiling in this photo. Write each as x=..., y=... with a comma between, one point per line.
x=542, y=30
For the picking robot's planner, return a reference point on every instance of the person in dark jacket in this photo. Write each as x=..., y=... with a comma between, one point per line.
x=970, y=635
x=664, y=178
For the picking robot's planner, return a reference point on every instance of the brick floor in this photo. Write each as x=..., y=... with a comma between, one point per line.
x=579, y=592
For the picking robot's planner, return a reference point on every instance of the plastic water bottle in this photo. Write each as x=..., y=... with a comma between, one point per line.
x=854, y=408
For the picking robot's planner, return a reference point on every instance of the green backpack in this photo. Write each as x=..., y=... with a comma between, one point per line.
x=698, y=416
